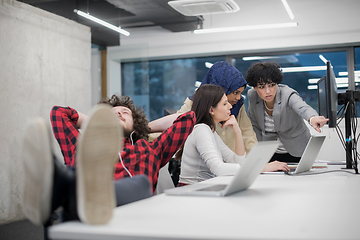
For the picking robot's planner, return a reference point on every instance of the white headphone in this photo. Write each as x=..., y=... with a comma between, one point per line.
x=132, y=143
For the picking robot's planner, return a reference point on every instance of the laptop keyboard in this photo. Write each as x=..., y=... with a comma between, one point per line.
x=291, y=170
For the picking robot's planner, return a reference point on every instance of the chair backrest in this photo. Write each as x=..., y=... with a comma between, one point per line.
x=164, y=180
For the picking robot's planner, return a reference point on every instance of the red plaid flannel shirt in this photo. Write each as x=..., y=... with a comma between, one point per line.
x=63, y=121
x=141, y=158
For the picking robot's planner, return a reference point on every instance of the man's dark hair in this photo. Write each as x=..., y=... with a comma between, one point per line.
x=141, y=127
x=263, y=73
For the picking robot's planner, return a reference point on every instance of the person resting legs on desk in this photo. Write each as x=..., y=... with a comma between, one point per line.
x=137, y=156
x=204, y=155
x=276, y=112
x=87, y=193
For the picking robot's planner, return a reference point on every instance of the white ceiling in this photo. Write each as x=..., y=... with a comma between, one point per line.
x=313, y=16
x=153, y=22
x=328, y=22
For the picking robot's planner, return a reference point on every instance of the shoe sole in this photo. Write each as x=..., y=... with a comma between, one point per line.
x=97, y=154
x=38, y=172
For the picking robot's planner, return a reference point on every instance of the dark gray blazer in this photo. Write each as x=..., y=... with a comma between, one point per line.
x=289, y=112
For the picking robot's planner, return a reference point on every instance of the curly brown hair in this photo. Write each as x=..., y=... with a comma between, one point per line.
x=141, y=127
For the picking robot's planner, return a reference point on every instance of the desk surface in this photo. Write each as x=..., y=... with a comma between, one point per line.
x=323, y=206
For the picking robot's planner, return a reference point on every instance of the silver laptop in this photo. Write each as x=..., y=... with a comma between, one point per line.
x=309, y=155
x=256, y=160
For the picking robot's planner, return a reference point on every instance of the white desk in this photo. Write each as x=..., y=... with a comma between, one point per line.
x=324, y=206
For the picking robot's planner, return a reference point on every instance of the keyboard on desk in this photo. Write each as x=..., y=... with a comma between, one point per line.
x=291, y=170
x=293, y=166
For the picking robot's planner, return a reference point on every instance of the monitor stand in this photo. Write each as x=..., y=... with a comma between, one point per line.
x=350, y=97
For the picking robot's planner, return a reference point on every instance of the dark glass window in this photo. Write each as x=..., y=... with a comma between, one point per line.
x=357, y=76
x=163, y=85
x=357, y=68
x=296, y=76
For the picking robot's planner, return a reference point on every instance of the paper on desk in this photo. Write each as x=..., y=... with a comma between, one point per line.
x=331, y=162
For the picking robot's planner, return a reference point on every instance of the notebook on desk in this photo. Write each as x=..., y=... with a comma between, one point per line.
x=308, y=157
x=256, y=160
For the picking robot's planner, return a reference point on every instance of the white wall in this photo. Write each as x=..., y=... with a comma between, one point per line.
x=45, y=61
x=95, y=76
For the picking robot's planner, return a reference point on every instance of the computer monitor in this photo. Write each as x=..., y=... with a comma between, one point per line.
x=328, y=96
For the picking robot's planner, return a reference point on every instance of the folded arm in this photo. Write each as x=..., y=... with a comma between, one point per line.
x=161, y=124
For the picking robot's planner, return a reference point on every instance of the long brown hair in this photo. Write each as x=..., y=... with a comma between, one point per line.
x=205, y=97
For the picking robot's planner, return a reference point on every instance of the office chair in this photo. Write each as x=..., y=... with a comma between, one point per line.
x=174, y=166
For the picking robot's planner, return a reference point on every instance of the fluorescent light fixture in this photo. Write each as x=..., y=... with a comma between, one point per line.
x=208, y=65
x=258, y=58
x=312, y=87
x=244, y=28
x=356, y=73
x=323, y=58
x=338, y=80
x=287, y=58
x=343, y=73
x=287, y=7
x=313, y=80
x=99, y=21
x=341, y=80
x=341, y=85
x=303, y=69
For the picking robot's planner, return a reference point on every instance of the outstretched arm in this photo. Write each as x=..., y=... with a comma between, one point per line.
x=317, y=122
x=161, y=124
x=306, y=112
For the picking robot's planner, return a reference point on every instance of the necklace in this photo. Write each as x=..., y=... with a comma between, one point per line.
x=269, y=109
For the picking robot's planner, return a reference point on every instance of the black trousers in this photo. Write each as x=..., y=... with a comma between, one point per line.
x=286, y=157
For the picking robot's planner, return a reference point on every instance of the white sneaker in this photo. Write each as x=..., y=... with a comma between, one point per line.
x=38, y=171
x=97, y=153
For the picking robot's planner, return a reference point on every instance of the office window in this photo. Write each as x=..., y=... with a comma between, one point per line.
x=163, y=85
x=357, y=76
x=357, y=68
x=295, y=76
